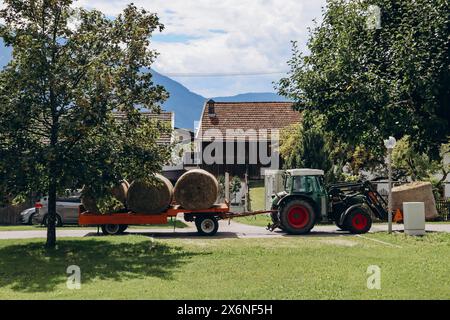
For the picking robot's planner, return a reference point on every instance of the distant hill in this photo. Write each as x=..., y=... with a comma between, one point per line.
x=186, y=105
x=252, y=97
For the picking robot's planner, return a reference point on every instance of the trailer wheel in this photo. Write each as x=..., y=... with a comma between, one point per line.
x=358, y=221
x=207, y=226
x=297, y=217
x=111, y=229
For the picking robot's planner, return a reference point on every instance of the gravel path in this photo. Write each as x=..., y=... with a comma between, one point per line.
x=226, y=230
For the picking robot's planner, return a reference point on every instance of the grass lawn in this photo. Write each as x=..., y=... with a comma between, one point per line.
x=179, y=224
x=257, y=194
x=308, y=267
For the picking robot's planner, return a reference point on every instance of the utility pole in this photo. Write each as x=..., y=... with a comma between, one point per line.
x=390, y=144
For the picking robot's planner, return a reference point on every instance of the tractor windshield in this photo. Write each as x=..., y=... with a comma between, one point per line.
x=300, y=184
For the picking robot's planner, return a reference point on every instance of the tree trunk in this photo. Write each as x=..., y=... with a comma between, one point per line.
x=52, y=188
x=52, y=164
x=51, y=214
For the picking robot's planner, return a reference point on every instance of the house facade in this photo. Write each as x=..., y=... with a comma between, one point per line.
x=241, y=137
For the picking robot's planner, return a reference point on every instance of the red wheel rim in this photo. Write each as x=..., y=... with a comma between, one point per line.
x=298, y=217
x=359, y=221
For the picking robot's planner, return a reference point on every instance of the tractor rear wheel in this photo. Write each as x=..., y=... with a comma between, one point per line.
x=358, y=221
x=297, y=217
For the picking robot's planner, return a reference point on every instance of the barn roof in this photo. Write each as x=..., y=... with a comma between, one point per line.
x=163, y=116
x=247, y=118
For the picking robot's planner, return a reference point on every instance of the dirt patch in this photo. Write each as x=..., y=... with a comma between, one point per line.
x=340, y=242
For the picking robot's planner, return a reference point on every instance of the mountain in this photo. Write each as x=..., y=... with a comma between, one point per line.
x=186, y=105
x=252, y=97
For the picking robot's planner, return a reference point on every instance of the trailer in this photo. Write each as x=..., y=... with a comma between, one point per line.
x=206, y=220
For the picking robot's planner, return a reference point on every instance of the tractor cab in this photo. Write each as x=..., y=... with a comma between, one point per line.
x=303, y=202
x=308, y=182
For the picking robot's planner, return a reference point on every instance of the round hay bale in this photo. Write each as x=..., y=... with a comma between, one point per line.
x=415, y=192
x=109, y=202
x=150, y=198
x=120, y=191
x=89, y=202
x=196, y=189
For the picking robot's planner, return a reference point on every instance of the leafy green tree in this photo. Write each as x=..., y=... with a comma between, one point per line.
x=235, y=186
x=408, y=164
x=370, y=83
x=308, y=145
x=72, y=72
x=290, y=145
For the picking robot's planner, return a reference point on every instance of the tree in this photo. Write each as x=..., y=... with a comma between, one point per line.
x=235, y=186
x=307, y=145
x=291, y=146
x=73, y=71
x=408, y=164
x=371, y=83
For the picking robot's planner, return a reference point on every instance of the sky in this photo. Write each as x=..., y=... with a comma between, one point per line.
x=224, y=37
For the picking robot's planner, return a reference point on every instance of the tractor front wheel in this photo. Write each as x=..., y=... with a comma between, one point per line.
x=297, y=217
x=358, y=221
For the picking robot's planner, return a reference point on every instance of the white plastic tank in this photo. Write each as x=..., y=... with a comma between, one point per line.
x=414, y=218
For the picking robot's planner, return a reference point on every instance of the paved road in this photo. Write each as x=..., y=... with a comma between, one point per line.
x=232, y=230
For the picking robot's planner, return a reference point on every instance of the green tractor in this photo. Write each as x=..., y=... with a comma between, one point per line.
x=306, y=201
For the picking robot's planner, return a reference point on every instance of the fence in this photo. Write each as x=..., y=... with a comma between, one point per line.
x=443, y=208
x=11, y=214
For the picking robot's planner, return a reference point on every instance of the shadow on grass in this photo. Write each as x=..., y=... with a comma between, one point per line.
x=31, y=268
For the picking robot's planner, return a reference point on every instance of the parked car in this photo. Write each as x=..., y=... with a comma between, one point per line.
x=26, y=216
x=66, y=210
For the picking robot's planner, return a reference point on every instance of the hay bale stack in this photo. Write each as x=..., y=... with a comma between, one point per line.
x=150, y=198
x=196, y=189
x=415, y=192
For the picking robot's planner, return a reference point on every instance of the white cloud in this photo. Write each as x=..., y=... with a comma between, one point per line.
x=254, y=36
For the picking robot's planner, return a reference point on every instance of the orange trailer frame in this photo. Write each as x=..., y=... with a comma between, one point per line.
x=206, y=220
x=131, y=218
